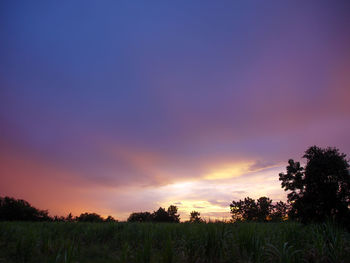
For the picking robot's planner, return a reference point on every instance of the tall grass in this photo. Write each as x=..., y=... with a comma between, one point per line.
x=285, y=242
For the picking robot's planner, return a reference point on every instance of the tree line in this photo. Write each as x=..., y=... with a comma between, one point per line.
x=261, y=210
x=12, y=209
x=317, y=192
x=161, y=215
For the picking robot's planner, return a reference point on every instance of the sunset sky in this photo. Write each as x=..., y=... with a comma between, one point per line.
x=123, y=106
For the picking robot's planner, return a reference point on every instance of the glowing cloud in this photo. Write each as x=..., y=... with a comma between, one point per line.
x=118, y=109
x=229, y=171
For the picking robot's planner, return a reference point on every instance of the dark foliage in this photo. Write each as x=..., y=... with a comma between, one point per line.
x=321, y=190
x=110, y=219
x=174, y=216
x=140, y=217
x=58, y=219
x=69, y=218
x=195, y=217
x=261, y=210
x=279, y=211
x=244, y=210
x=161, y=215
x=318, y=192
x=89, y=217
x=264, y=208
x=286, y=242
x=19, y=210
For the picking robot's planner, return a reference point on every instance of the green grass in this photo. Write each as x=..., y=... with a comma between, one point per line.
x=285, y=242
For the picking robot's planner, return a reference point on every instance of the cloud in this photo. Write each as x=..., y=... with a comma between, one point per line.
x=43, y=184
x=196, y=114
x=239, y=192
x=197, y=206
x=222, y=203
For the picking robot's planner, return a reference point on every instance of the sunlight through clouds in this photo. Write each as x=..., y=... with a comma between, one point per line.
x=229, y=171
x=207, y=209
x=171, y=103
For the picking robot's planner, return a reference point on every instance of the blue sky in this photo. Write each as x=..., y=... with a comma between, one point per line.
x=116, y=106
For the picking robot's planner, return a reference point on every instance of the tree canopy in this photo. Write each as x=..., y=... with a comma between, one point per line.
x=251, y=210
x=161, y=215
x=317, y=191
x=140, y=217
x=12, y=209
x=195, y=217
x=321, y=189
x=90, y=217
x=174, y=216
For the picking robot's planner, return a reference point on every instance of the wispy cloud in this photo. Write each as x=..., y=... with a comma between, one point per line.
x=132, y=111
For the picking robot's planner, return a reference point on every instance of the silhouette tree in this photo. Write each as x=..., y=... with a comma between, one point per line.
x=58, y=219
x=264, y=208
x=90, y=217
x=279, y=211
x=12, y=209
x=195, y=217
x=161, y=215
x=140, y=217
x=250, y=210
x=321, y=190
x=110, y=219
x=69, y=218
x=236, y=208
x=246, y=210
x=172, y=212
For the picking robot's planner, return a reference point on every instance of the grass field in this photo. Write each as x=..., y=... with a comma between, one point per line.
x=147, y=242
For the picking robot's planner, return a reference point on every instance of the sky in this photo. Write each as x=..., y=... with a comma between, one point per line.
x=125, y=106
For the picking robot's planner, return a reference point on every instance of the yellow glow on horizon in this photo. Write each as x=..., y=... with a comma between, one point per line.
x=203, y=207
x=229, y=171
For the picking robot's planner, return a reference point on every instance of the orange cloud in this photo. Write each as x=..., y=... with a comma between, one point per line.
x=44, y=184
x=48, y=185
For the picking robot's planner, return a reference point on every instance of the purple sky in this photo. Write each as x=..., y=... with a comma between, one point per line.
x=115, y=107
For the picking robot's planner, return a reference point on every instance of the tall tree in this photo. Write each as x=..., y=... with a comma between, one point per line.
x=321, y=190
